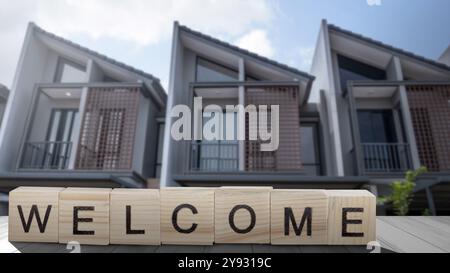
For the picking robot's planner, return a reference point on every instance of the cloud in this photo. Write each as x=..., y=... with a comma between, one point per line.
x=140, y=22
x=148, y=22
x=304, y=56
x=257, y=41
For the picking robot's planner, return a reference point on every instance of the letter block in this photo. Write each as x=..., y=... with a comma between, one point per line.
x=187, y=216
x=84, y=216
x=33, y=214
x=351, y=217
x=242, y=215
x=135, y=217
x=299, y=217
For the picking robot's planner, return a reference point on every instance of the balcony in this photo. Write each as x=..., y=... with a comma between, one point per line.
x=246, y=156
x=47, y=155
x=83, y=127
x=386, y=157
x=422, y=109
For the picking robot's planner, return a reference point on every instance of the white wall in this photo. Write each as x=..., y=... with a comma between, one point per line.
x=445, y=58
x=175, y=88
x=324, y=84
x=30, y=70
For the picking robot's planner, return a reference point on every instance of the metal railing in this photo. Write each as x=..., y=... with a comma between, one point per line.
x=215, y=156
x=46, y=155
x=386, y=157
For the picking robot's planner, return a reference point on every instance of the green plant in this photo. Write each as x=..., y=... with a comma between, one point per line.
x=402, y=192
x=426, y=212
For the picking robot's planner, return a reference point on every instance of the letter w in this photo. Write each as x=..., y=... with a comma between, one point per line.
x=34, y=211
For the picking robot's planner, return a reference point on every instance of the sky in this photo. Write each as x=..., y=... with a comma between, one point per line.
x=139, y=32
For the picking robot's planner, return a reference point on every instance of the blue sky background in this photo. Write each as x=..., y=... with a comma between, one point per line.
x=290, y=28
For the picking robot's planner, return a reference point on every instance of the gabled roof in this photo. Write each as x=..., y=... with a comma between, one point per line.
x=446, y=53
x=246, y=52
x=389, y=47
x=101, y=56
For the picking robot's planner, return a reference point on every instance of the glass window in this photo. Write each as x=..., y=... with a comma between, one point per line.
x=351, y=70
x=217, y=155
x=61, y=124
x=58, y=144
x=70, y=72
x=310, y=149
x=211, y=72
x=377, y=126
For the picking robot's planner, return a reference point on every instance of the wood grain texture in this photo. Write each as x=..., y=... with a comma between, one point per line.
x=360, y=206
x=299, y=202
x=202, y=199
x=244, y=200
x=95, y=199
x=390, y=237
x=143, y=217
x=26, y=198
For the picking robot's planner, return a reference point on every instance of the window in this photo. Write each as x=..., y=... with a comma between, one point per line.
x=377, y=126
x=217, y=155
x=159, y=154
x=310, y=149
x=351, y=70
x=70, y=72
x=58, y=143
x=208, y=71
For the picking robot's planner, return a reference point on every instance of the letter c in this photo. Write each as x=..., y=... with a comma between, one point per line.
x=175, y=218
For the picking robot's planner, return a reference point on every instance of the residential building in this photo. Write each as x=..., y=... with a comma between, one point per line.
x=78, y=118
x=364, y=115
x=222, y=74
x=386, y=111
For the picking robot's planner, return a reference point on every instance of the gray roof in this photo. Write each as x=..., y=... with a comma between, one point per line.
x=390, y=47
x=246, y=52
x=102, y=57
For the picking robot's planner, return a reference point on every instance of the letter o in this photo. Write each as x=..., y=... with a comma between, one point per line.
x=252, y=219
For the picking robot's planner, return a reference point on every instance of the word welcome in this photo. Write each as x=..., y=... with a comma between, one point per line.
x=228, y=124
x=195, y=216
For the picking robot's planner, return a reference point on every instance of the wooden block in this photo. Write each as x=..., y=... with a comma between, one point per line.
x=351, y=217
x=187, y=216
x=135, y=217
x=33, y=214
x=84, y=216
x=299, y=217
x=242, y=215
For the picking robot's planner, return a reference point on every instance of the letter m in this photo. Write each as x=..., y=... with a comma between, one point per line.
x=306, y=218
x=34, y=212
